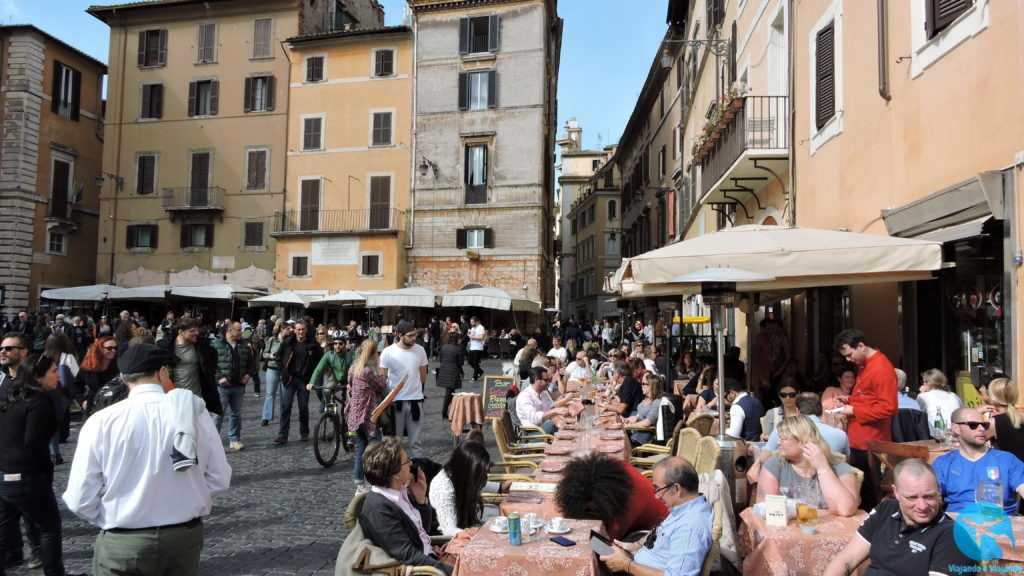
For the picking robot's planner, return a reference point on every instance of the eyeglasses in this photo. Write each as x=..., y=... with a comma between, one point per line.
x=787, y=394
x=658, y=491
x=974, y=425
x=9, y=348
x=110, y=347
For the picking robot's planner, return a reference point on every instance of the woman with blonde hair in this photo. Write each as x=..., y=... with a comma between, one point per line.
x=647, y=411
x=364, y=383
x=936, y=400
x=804, y=468
x=1008, y=432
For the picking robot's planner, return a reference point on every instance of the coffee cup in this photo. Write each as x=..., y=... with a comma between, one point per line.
x=556, y=523
x=501, y=522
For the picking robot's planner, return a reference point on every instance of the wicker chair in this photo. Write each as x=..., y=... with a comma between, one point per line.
x=701, y=422
x=716, y=538
x=686, y=445
x=708, y=452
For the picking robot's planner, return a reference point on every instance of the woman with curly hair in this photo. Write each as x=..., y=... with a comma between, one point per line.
x=98, y=368
x=598, y=487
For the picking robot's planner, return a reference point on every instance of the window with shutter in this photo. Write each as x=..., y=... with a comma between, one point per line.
x=475, y=238
x=824, y=76
x=315, y=69
x=202, y=98
x=261, y=38
x=384, y=63
x=252, y=235
x=476, y=174
x=145, y=174
x=477, y=90
x=152, y=101
x=256, y=170
x=380, y=202
x=152, y=48
x=206, y=42
x=939, y=14
x=381, y=129
x=312, y=133
x=370, y=265
x=480, y=34
x=259, y=94
x=460, y=238
x=300, y=266
x=67, y=83
x=309, y=205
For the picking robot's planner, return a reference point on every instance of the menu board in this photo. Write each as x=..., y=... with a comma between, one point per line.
x=495, y=392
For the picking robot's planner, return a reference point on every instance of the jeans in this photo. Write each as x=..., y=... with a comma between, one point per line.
x=363, y=439
x=288, y=394
x=231, y=400
x=33, y=498
x=405, y=425
x=272, y=379
x=256, y=382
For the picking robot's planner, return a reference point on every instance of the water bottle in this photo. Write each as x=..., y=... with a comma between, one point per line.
x=940, y=425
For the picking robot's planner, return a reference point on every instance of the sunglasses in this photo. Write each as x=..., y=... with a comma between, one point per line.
x=974, y=425
x=787, y=394
x=110, y=347
x=9, y=348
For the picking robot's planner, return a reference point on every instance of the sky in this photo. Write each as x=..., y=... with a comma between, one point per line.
x=607, y=48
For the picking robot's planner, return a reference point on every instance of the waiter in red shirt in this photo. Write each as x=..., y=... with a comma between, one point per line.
x=869, y=409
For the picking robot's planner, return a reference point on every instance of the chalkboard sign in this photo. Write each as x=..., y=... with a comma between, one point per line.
x=495, y=391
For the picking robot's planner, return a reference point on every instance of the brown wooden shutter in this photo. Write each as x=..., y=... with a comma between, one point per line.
x=192, y=98
x=939, y=14
x=464, y=38
x=76, y=93
x=247, y=99
x=147, y=99
x=488, y=237
x=154, y=233
x=142, y=48
x=492, y=89
x=158, y=100
x=214, y=96
x=825, y=76
x=186, y=235
x=55, y=88
x=209, y=235
x=269, y=100
x=463, y=91
x=460, y=238
x=131, y=237
x=147, y=174
x=309, y=205
x=493, y=33
x=161, y=55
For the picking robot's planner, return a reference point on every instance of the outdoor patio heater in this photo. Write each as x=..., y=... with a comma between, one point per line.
x=717, y=287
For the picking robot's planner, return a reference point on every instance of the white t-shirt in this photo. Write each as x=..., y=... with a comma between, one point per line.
x=476, y=332
x=399, y=362
x=934, y=401
x=559, y=353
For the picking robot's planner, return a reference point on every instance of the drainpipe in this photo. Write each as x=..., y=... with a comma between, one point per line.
x=117, y=157
x=882, y=7
x=790, y=39
x=284, y=172
x=412, y=160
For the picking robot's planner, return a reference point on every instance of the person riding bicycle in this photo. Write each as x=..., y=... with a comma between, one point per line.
x=335, y=365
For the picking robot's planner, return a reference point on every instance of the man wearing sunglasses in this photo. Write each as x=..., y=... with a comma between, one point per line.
x=961, y=472
x=677, y=545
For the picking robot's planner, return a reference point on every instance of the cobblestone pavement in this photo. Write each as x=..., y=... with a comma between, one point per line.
x=283, y=514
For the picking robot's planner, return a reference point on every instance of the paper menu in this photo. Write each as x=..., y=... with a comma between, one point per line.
x=775, y=511
x=533, y=487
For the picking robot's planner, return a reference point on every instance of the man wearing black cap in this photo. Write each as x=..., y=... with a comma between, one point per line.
x=407, y=358
x=125, y=480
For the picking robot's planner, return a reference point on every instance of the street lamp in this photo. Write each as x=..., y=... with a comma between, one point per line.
x=118, y=181
x=720, y=47
x=427, y=165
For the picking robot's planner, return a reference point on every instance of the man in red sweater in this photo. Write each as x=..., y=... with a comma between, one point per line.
x=869, y=409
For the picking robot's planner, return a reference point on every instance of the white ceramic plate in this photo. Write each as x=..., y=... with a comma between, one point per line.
x=563, y=530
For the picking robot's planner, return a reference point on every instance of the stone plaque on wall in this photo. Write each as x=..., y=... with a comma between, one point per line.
x=335, y=251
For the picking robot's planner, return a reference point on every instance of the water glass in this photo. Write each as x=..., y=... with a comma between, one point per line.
x=989, y=491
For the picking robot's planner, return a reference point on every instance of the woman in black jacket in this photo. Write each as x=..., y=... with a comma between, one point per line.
x=28, y=419
x=449, y=374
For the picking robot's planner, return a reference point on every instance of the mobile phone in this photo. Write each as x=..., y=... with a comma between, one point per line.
x=562, y=541
x=415, y=471
x=600, y=544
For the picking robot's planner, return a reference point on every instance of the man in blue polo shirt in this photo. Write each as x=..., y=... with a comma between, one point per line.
x=961, y=472
x=908, y=535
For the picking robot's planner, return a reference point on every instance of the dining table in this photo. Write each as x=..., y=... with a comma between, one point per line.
x=935, y=449
x=777, y=551
x=466, y=410
x=490, y=552
x=1013, y=555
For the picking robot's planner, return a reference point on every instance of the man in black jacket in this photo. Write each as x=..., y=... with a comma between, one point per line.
x=197, y=364
x=298, y=357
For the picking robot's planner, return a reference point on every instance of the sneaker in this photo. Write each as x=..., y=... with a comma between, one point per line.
x=305, y=438
x=57, y=459
x=256, y=395
x=34, y=562
x=236, y=446
x=360, y=488
x=280, y=440
x=265, y=423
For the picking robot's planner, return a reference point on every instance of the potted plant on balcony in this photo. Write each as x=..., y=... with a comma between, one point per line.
x=472, y=255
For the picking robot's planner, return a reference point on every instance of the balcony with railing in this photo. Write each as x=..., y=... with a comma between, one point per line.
x=339, y=222
x=208, y=200
x=58, y=215
x=748, y=143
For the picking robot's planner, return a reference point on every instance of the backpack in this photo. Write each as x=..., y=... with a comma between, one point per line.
x=110, y=393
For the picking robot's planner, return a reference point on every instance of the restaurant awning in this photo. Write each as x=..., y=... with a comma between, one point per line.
x=343, y=299
x=797, y=258
x=90, y=293
x=154, y=293
x=412, y=297
x=214, y=292
x=489, y=297
x=288, y=298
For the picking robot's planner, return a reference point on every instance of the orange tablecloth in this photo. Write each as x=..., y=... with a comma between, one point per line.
x=466, y=409
x=1012, y=556
x=490, y=553
x=517, y=502
x=935, y=449
x=776, y=552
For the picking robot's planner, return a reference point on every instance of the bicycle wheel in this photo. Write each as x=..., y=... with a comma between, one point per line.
x=348, y=442
x=327, y=439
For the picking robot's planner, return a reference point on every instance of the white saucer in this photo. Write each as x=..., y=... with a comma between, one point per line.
x=537, y=524
x=497, y=530
x=563, y=530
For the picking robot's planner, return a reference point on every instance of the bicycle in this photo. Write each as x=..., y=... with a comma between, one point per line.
x=331, y=432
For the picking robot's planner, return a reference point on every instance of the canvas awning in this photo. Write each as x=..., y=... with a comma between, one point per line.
x=489, y=297
x=797, y=257
x=413, y=297
x=288, y=298
x=154, y=293
x=91, y=293
x=214, y=292
x=344, y=298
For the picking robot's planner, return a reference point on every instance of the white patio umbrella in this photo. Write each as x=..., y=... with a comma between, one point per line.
x=288, y=298
x=214, y=292
x=796, y=257
x=412, y=297
x=489, y=297
x=154, y=293
x=343, y=299
x=91, y=293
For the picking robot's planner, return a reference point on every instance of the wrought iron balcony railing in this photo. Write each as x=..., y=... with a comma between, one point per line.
x=762, y=123
x=188, y=199
x=339, y=221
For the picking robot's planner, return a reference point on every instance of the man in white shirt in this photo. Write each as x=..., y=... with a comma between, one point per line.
x=580, y=369
x=477, y=335
x=123, y=478
x=536, y=407
x=745, y=412
x=556, y=350
x=406, y=358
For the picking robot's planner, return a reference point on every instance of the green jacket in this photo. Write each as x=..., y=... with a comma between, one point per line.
x=270, y=352
x=246, y=363
x=337, y=364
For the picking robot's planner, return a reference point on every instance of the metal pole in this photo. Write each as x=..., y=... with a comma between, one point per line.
x=720, y=326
